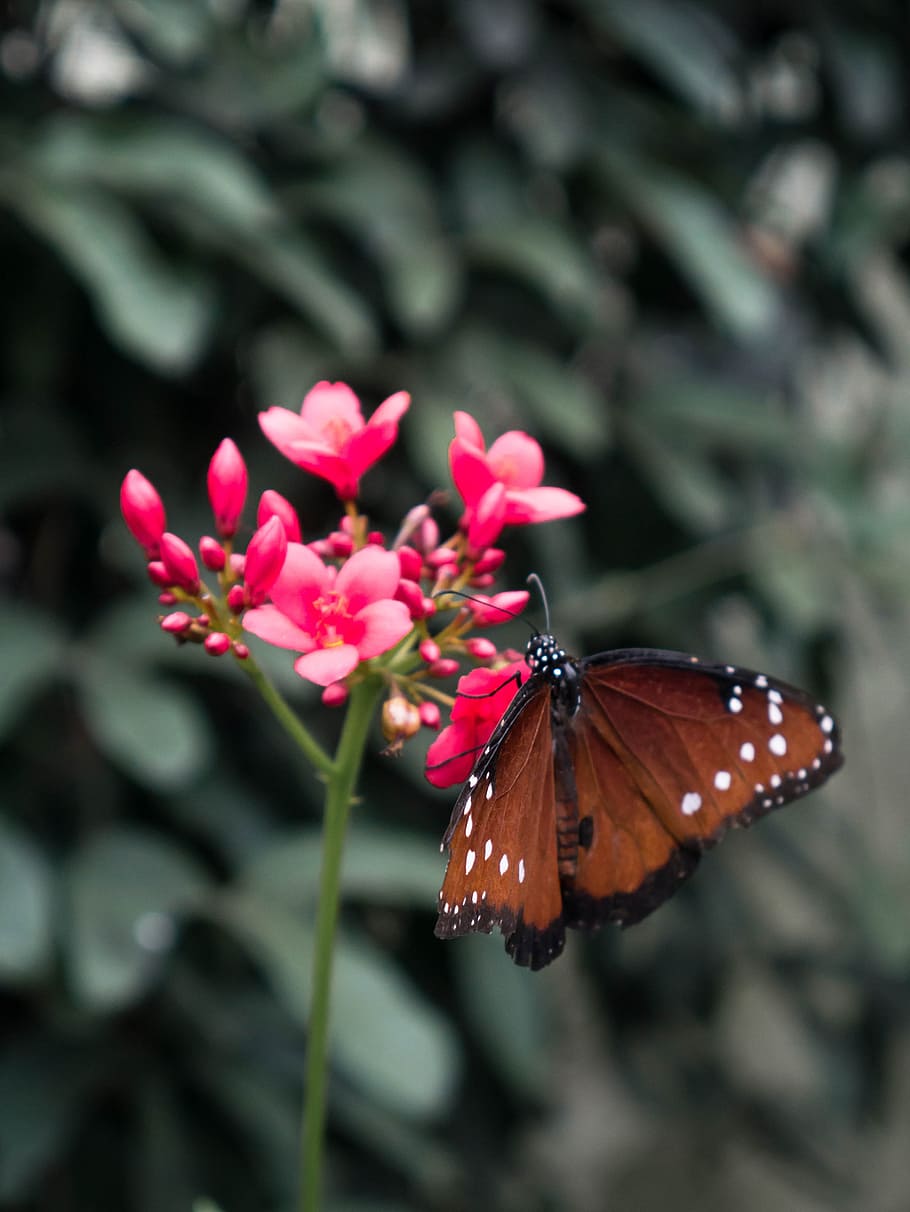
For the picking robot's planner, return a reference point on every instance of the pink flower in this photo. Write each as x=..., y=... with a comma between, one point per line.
x=265, y=556
x=501, y=486
x=451, y=757
x=142, y=511
x=335, y=618
x=329, y=437
x=488, y=611
x=227, y=484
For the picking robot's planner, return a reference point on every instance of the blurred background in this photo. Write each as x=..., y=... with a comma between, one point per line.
x=671, y=241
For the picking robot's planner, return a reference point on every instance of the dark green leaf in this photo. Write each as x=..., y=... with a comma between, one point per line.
x=32, y=654
x=26, y=906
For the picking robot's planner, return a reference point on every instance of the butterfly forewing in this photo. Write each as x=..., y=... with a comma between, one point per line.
x=669, y=753
x=502, y=868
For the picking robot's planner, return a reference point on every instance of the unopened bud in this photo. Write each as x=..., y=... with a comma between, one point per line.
x=335, y=694
x=227, y=485
x=180, y=562
x=490, y=561
x=236, y=599
x=411, y=563
x=429, y=651
x=217, y=643
x=211, y=553
x=142, y=511
x=273, y=505
x=265, y=558
x=176, y=623
x=429, y=715
x=400, y=718
x=241, y=652
x=443, y=668
x=482, y=649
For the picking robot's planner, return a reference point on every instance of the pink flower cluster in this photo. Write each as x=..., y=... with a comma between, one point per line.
x=352, y=604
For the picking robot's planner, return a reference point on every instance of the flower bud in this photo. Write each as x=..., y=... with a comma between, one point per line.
x=429, y=651
x=443, y=668
x=335, y=694
x=212, y=553
x=429, y=715
x=236, y=599
x=241, y=652
x=490, y=561
x=340, y=544
x=217, y=643
x=412, y=596
x=376, y=538
x=265, y=558
x=484, y=581
x=411, y=563
x=159, y=575
x=142, y=511
x=166, y=599
x=273, y=505
x=400, y=718
x=237, y=564
x=180, y=563
x=480, y=648
x=227, y=484
x=176, y=622
x=440, y=557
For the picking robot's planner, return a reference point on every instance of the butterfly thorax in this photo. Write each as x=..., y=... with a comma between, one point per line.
x=551, y=664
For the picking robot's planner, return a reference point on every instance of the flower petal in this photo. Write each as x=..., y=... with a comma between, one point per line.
x=284, y=428
x=468, y=431
x=270, y=624
x=333, y=411
x=368, y=576
x=470, y=472
x=385, y=624
x=391, y=411
x=450, y=758
x=541, y=505
x=302, y=579
x=367, y=447
x=327, y=665
x=488, y=519
x=516, y=459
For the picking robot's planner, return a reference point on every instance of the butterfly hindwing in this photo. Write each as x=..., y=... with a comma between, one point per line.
x=502, y=868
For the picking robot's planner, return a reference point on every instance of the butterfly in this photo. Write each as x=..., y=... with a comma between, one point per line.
x=606, y=779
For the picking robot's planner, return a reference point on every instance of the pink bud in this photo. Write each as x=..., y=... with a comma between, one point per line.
x=341, y=545
x=376, y=538
x=490, y=561
x=166, y=599
x=241, y=652
x=482, y=649
x=484, y=581
x=412, y=596
x=429, y=608
x=212, y=553
x=429, y=715
x=447, y=572
x=159, y=575
x=441, y=556
x=217, y=643
x=273, y=505
x=142, y=511
x=236, y=599
x=335, y=694
x=180, y=563
x=227, y=483
x=429, y=651
x=426, y=535
x=443, y=668
x=237, y=563
x=321, y=547
x=176, y=622
x=265, y=557
x=411, y=563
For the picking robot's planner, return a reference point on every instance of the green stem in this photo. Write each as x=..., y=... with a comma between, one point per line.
x=288, y=719
x=339, y=792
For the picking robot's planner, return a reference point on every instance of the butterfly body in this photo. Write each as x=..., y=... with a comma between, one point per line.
x=605, y=780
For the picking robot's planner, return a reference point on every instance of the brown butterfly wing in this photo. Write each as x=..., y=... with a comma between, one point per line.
x=502, y=868
x=668, y=754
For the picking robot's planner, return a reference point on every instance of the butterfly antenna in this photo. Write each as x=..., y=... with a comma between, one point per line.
x=534, y=579
x=457, y=593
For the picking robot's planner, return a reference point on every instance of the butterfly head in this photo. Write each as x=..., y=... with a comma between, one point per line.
x=551, y=663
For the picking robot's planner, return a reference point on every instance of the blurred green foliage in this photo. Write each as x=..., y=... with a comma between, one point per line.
x=670, y=239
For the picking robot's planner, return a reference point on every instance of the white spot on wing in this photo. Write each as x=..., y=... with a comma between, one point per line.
x=691, y=802
x=722, y=780
x=504, y=864
x=761, y=681
x=488, y=849
x=827, y=724
x=469, y=825
x=778, y=744
x=734, y=704
x=467, y=806
x=469, y=862
x=775, y=715
x=521, y=871
x=489, y=791
x=747, y=751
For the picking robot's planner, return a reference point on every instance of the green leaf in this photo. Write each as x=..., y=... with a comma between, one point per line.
x=26, y=906
x=152, y=728
x=683, y=479
x=684, y=43
x=384, y=1037
x=699, y=235
x=547, y=257
x=515, y=1038
x=43, y=1083
x=32, y=651
x=380, y=865
x=127, y=889
x=159, y=313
